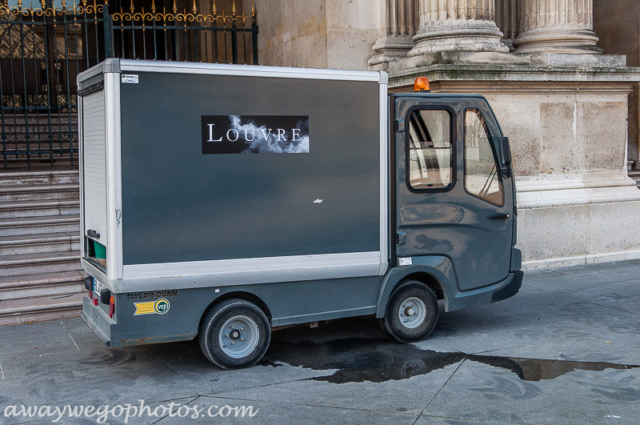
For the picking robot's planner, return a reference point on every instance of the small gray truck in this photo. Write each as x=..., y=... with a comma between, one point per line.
x=219, y=202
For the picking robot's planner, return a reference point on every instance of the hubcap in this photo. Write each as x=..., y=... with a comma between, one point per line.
x=238, y=337
x=412, y=312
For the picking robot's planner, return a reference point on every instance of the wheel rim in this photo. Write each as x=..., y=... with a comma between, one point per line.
x=239, y=337
x=412, y=312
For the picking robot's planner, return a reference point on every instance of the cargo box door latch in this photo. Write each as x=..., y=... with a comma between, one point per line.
x=401, y=238
x=398, y=126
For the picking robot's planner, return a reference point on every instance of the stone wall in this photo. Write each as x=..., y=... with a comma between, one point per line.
x=292, y=33
x=352, y=29
x=317, y=33
x=576, y=203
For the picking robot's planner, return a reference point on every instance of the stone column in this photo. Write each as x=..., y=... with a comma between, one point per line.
x=398, y=26
x=556, y=26
x=457, y=25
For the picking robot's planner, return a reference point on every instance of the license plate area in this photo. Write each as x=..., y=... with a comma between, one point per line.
x=98, y=287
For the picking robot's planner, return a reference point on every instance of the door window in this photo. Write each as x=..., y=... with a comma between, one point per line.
x=430, y=150
x=482, y=178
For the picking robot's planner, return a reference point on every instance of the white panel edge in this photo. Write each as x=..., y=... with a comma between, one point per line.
x=81, y=175
x=112, y=83
x=118, y=177
x=259, y=270
x=249, y=71
x=384, y=178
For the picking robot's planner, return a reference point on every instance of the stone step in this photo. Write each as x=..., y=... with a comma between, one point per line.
x=41, y=285
x=636, y=176
x=44, y=141
x=32, y=244
x=35, y=121
x=42, y=133
x=39, y=225
x=35, y=139
x=39, y=192
x=39, y=121
x=21, y=163
x=14, y=312
x=39, y=152
x=40, y=270
x=22, y=178
x=51, y=207
x=37, y=130
x=49, y=262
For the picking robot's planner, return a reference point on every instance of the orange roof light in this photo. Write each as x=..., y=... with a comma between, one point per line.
x=422, y=84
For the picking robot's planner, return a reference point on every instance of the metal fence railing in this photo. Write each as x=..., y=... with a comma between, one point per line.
x=42, y=50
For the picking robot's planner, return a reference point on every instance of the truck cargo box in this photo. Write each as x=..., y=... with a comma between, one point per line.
x=242, y=174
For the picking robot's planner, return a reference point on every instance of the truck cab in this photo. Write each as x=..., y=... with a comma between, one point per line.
x=453, y=187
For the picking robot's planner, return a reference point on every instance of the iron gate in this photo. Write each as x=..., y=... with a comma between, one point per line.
x=42, y=50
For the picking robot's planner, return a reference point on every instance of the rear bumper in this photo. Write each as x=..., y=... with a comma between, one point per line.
x=99, y=321
x=132, y=330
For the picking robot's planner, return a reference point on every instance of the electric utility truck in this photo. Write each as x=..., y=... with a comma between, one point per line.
x=222, y=201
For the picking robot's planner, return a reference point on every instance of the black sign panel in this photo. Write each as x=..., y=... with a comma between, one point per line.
x=255, y=134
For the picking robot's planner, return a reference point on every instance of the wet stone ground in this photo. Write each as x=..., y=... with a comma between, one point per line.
x=566, y=350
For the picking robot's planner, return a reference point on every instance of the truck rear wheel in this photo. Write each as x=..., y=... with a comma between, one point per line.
x=412, y=312
x=234, y=334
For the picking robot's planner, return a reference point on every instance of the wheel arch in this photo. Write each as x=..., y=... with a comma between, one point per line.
x=428, y=280
x=435, y=272
x=241, y=295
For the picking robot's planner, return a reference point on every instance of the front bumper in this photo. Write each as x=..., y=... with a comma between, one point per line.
x=510, y=289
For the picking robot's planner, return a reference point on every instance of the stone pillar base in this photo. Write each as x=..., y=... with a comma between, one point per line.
x=389, y=49
x=458, y=35
x=557, y=40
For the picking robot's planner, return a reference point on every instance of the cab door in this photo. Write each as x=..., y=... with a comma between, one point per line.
x=452, y=198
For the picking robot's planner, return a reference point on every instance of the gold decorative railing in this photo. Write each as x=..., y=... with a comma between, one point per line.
x=211, y=37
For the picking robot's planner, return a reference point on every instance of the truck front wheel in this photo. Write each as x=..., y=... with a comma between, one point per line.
x=234, y=334
x=412, y=312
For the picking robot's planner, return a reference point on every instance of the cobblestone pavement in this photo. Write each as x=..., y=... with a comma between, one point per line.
x=565, y=350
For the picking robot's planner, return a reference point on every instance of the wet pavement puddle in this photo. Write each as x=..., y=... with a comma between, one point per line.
x=380, y=360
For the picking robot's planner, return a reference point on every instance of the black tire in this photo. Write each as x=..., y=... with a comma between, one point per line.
x=232, y=314
x=414, y=327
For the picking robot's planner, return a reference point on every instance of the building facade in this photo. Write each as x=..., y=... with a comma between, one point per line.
x=567, y=100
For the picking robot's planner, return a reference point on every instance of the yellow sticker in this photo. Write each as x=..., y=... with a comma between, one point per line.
x=160, y=306
x=145, y=308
